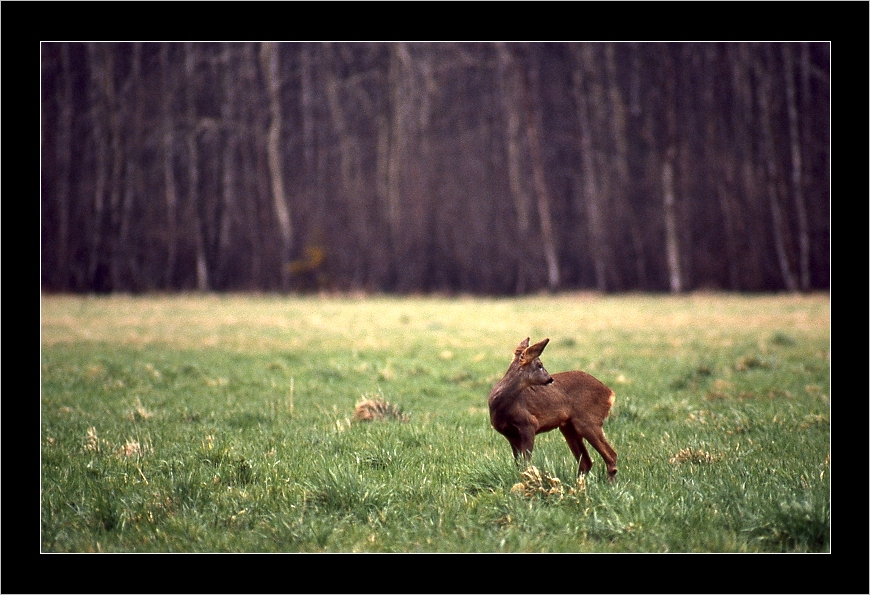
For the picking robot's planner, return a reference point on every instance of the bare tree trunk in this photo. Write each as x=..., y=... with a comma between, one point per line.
x=511, y=92
x=395, y=153
x=423, y=211
x=117, y=229
x=63, y=154
x=170, y=191
x=410, y=84
x=780, y=231
x=133, y=185
x=728, y=202
x=672, y=240
x=98, y=118
x=382, y=266
x=350, y=183
x=202, y=277
x=400, y=79
x=748, y=202
x=308, y=64
x=807, y=174
x=720, y=134
x=548, y=241
x=271, y=74
x=672, y=228
x=316, y=175
x=252, y=175
x=797, y=181
x=592, y=193
x=339, y=126
x=229, y=111
x=619, y=171
x=634, y=109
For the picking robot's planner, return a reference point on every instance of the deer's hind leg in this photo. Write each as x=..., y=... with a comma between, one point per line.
x=575, y=443
x=596, y=438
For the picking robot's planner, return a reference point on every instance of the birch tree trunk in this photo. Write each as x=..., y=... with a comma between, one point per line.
x=229, y=207
x=670, y=209
x=271, y=74
x=672, y=239
x=797, y=182
x=780, y=227
x=201, y=264
x=548, y=241
x=457, y=167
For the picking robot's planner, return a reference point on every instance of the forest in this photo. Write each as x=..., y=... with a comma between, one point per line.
x=479, y=168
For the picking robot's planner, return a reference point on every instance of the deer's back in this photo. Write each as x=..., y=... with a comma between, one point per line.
x=586, y=394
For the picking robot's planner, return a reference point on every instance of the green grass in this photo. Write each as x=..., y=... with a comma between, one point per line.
x=224, y=423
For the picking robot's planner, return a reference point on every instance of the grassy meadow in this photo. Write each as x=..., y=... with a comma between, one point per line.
x=219, y=423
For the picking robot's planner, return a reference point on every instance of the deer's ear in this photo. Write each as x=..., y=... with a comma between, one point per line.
x=530, y=353
x=521, y=347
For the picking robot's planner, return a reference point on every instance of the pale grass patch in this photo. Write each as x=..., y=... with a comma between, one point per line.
x=92, y=442
x=132, y=448
x=814, y=419
x=263, y=323
x=153, y=371
x=720, y=390
x=387, y=372
x=536, y=484
x=702, y=416
x=95, y=371
x=139, y=411
x=694, y=456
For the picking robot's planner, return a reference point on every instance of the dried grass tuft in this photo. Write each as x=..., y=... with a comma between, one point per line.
x=541, y=485
x=694, y=456
x=377, y=409
x=131, y=448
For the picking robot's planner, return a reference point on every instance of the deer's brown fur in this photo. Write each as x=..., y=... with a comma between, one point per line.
x=528, y=401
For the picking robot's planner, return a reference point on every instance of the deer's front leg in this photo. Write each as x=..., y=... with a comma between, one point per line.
x=522, y=441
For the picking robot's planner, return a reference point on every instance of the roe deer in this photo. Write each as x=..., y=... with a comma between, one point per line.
x=528, y=401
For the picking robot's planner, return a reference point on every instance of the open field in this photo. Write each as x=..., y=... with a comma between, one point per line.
x=224, y=423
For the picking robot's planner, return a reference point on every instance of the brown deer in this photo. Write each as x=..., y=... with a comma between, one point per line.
x=528, y=401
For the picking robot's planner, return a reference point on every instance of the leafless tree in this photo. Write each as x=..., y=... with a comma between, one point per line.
x=456, y=167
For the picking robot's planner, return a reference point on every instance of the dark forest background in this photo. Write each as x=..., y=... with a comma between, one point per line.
x=489, y=168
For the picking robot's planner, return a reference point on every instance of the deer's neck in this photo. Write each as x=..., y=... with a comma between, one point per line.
x=505, y=388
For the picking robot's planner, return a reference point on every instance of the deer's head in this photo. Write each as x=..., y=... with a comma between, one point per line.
x=527, y=360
